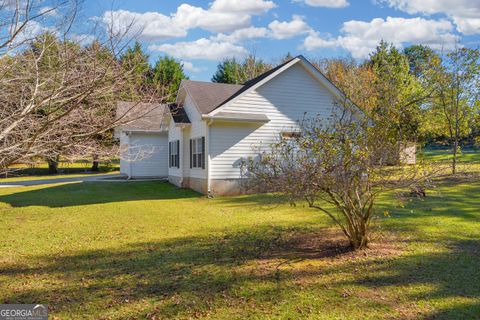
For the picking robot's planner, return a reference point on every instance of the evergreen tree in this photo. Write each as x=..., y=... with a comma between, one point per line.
x=135, y=62
x=235, y=72
x=228, y=71
x=422, y=59
x=167, y=74
x=399, y=94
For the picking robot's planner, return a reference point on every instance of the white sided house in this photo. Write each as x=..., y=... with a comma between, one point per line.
x=213, y=128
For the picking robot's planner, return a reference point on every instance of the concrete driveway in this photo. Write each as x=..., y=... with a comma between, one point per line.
x=85, y=178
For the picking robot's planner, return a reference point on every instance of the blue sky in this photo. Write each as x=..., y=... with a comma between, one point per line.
x=201, y=33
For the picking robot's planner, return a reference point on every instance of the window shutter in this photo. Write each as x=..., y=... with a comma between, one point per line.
x=190, y=153
x=170, y=154
x=178, y=154
x=203, y=152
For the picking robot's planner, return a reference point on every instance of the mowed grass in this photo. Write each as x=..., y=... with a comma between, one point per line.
x=444, y=155
x=148, y=250
x=64, y=167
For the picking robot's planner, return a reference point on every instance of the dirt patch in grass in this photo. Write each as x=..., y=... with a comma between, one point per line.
x=332, y=244
x=306, y=256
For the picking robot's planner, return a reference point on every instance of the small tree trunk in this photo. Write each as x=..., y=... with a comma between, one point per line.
x=454, y=160
x=357, y=231
x=95, y=163
x=359, y=240
x=53, y=165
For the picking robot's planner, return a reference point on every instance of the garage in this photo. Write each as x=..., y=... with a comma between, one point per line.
x=144, y=154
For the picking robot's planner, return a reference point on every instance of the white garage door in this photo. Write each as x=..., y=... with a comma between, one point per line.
x=152, y=155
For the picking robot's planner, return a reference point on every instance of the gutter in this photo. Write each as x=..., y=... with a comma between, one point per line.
x=230, y=119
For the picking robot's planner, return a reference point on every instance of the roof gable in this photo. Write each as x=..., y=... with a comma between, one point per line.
x=269, y=75
x=252, y=82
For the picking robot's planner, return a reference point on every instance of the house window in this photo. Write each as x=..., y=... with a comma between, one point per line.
x=174, y=154
x=197, y=153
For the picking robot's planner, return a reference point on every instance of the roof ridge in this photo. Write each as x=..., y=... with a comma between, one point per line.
x=214, y=83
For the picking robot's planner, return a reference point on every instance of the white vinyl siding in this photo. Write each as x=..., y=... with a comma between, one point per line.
x=230, y=145
x=291, y=96
x=124, y=163
x=197, y=128
x=148, y=155
x=191, y=109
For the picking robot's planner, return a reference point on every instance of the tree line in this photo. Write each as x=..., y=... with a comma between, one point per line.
x=59, y=97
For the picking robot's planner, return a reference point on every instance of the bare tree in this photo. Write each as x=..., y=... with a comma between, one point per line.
x=57, y=95
x=458, y=90
x=338, y=166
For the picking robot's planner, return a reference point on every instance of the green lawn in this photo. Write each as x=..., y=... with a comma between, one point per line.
x=466, y=156
x=147, y=250
x=64, y=167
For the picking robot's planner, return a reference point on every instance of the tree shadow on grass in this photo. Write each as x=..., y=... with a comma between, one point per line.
x=191, y=276
x=173, y=272
x=448, y=275
x=77, y=194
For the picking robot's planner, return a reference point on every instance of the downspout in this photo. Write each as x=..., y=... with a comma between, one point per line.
x=128, y=133
x=207, y=141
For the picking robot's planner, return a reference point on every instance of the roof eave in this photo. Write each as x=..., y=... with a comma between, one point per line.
x=143, y=131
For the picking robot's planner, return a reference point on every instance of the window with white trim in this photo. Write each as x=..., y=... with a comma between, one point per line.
x=197, y=153
x=174, y=154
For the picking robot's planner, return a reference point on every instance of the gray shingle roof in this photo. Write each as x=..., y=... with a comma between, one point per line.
x=208, y=95
x=140, y=116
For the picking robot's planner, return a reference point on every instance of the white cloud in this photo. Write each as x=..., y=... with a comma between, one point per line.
x=188, y=66
x=254, y=7
x=360, y=37
x=206, y=49
x=149, y=25
x=326, y=3
x=242, y=34
x=190, y=17
x=288, y=29
x=315, y=41
x=31, y=30
x=222, y=16
x=464, y=13
x=276, y=30
x=467, y=26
